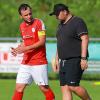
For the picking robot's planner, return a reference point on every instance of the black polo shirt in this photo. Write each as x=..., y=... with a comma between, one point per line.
x=68, y=38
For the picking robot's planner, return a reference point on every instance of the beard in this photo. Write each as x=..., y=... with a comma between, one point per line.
x=29, y=22
x=62, y=21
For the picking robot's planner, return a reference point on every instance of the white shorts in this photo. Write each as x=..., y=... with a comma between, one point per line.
x=37, y=73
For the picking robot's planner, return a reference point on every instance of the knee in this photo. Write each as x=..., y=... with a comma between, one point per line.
x=47, y=92
x=44, y=87
x=64, y=88
x=78, y=89
x=20, y=88
x=75, y=88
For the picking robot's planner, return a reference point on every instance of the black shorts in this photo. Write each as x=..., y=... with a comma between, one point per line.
x=70, y=72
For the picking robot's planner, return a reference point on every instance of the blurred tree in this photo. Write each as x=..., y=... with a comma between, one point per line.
x=9, y=18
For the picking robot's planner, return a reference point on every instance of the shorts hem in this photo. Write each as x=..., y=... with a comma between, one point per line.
x=70, y=84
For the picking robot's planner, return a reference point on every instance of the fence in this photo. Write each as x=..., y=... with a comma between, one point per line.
x=8, y=63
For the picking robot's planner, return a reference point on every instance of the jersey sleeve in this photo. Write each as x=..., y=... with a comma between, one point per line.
x=41, y=28
x=81, y=27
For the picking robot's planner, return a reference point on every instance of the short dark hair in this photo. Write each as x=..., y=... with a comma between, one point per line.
x=23, y=7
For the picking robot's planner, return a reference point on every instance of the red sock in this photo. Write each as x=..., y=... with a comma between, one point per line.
x=17, y=96
x=49, y=95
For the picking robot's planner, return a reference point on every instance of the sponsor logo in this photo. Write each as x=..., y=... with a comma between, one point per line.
x=72, y=82
x=27, y=36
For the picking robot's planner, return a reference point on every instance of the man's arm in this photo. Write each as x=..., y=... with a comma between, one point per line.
x=22, y=49
x=84, y=45
x=41, y=42
x=13, y=50
x=55, y=63
x=84, y=49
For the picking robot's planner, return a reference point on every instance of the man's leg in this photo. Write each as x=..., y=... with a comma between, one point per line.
x=49, y=95
x=40, y=76
x=81, y=92
x=66, y=93
x=18, y=94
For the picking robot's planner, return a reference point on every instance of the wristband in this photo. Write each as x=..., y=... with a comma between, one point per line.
x=84, y=58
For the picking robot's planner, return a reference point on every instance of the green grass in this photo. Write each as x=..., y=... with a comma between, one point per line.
x=32, y=92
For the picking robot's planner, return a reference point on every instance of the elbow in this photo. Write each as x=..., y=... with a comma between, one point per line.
x=85, y=37
x=43, y=43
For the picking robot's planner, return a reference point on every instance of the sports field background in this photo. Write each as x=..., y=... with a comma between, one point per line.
x=33, y=93
x=89, y=10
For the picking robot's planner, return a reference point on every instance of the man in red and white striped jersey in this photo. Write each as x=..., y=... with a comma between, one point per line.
x=34, y=63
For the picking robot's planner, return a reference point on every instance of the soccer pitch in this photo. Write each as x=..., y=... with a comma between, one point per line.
x=32, y=92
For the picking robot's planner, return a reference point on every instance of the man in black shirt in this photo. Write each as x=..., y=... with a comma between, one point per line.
x=72, y=52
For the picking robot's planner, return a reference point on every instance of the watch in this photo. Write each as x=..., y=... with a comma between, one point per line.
x=84, y=58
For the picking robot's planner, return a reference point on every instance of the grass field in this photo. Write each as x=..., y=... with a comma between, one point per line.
x=32, y=92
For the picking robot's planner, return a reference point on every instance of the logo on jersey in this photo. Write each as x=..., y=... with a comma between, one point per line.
x=27, y=36
x=33, y=30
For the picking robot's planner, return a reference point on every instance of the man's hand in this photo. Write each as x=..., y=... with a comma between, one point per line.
x=84, y=64
x=13, y=51
x=55, y=65
x=21, y=49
